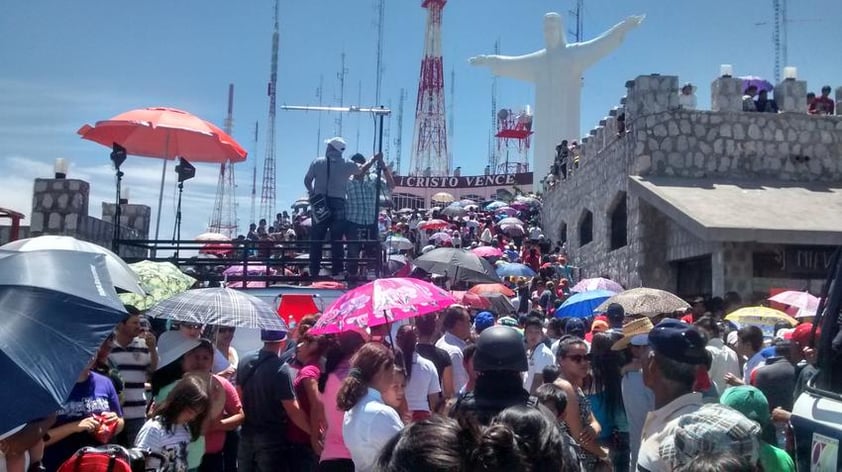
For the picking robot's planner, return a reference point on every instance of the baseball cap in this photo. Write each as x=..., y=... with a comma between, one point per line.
x=358, y=158
x=712, y=429
x=336, y=143
x=615, y=312
x=483, y=320
x=678, y=341
x=576, y=327
x=272, y=335
x=802, y=332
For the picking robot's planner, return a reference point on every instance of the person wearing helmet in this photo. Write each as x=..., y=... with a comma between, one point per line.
x=499, y=361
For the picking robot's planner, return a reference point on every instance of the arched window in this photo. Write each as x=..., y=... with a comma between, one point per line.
x=586, y=228
x=618, y=222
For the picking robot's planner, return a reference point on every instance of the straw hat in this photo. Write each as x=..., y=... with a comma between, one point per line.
x=635, y=327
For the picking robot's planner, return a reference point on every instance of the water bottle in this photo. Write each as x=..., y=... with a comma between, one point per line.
x=780, y=435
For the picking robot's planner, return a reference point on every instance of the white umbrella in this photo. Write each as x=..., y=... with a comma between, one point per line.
x=398, y=242
x=122, y=276
x=212, y=237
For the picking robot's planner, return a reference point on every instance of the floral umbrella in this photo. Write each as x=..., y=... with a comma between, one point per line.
x=161, y=280
x=382, y=301
x=441, y=237
x=597, y=283
x=434, y=224
x=645, y=301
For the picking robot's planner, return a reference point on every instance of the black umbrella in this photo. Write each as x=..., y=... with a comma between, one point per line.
x=56, y=308
x=460, y=265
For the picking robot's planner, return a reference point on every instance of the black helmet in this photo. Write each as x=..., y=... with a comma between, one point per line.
x=500, y=348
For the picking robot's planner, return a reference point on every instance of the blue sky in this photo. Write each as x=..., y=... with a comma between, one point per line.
x=69, y=63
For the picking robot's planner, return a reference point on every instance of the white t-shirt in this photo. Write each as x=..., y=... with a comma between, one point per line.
x=538, y=358
x=367, y=427
x=172, y=444
x=424, y=381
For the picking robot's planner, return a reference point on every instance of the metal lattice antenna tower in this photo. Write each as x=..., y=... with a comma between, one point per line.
x=268, y=194
x=319, y=95
x=343, y=71
x=779, y=37
x=429, y=142
x=224, y=217
x=399, y=137
x=450, y=120
x=359, y=100
x=387, y=137
x=578, y=33
x=381, y=10
x=252, y=213
x=492, y=149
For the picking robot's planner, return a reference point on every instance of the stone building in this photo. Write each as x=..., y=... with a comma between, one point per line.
x=704, y=202
x=60, y=206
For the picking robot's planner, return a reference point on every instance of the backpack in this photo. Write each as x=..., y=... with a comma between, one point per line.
x=110, y=458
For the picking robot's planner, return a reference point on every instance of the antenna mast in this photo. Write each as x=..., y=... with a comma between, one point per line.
x=224, y=217
x=268, y=194
x=319, y=94
x=399, y=138
x=578, y=14
x=429, y=142
x=341, y=76
x=492, y=150
x=254, y=181
x=381, y=10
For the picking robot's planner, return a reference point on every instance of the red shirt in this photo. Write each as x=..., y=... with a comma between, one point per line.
x=822, y=105
x=295, y=434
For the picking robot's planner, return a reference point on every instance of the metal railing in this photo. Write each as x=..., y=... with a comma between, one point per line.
x=207, y=260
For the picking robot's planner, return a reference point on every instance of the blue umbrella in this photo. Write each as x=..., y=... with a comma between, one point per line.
x=582, y=305
x=515, y=270
x=57, y=307
x=495, y=205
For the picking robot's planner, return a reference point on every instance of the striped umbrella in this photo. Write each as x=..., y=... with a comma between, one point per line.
x=219, y=306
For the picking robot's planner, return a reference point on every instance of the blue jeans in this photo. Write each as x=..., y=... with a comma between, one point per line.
x=263, y=453
x=335, y=223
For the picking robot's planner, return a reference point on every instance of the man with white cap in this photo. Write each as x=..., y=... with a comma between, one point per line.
x=326, y=182
x=265, y=386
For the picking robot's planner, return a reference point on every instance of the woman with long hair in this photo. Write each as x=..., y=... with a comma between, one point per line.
x=605, y=394
x=441, y=444
x=176, y=422
x=537, y=436
x=422, y=386
x=306, y=446
x=335, y=456
x=369, y=423
x=574, y=364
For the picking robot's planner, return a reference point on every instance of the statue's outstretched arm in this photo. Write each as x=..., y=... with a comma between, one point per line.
x=590, y=52
x=514, y=67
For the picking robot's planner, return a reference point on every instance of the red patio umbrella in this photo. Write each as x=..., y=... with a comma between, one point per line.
x=165, y=133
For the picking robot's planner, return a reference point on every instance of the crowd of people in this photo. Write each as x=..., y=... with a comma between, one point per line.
x=462, y=389
x=467, y=388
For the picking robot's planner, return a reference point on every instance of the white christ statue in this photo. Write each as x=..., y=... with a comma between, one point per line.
x=556, y=72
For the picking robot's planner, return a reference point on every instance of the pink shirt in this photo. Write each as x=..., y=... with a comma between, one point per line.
x=334, y=447
x=215, y=440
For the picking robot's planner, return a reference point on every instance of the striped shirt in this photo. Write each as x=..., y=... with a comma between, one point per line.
x=133, y=362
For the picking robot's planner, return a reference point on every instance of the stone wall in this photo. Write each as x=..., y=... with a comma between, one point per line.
x=661, y=139
x=60, y=207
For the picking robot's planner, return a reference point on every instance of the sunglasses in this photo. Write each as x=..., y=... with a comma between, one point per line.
x=579, y=358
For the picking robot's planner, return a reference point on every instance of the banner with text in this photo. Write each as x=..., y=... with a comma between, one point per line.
x=468, y=181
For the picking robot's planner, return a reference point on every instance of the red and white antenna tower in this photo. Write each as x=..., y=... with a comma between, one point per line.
x=429, y=142
x=224, y=218
x=268, y=193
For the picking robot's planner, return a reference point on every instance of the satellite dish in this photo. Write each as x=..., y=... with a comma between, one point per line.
x=502, y=115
